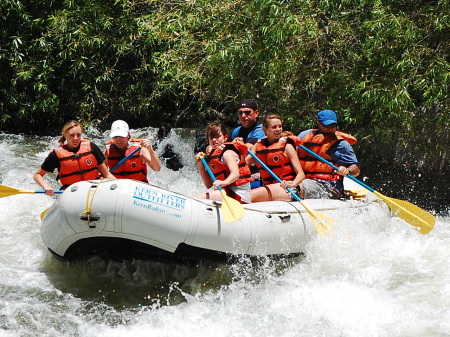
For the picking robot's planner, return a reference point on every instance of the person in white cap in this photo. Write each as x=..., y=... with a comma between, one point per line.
x=140, y=152
x=322, y=180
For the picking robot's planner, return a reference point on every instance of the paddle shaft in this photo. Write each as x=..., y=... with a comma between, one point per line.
x=412, y=214
x=296, y=197
x=6, y=191
x=124, y=160
x=211, y=174
x=42, y=191
x=232, y=209
x=323, y=160
x=324, y=223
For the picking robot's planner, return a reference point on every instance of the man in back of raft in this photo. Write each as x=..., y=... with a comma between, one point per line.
x=250, y=130
x=322, y=181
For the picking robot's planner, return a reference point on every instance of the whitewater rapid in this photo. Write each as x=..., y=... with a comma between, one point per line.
x=361, y=281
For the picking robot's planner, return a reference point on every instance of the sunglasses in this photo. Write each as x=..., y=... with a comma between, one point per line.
x=247, y=112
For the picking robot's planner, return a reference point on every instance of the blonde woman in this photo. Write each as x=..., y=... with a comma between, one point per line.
x=75, y=159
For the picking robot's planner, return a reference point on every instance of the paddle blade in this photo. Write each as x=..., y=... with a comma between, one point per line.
x=6, y=191
x=43, y=213
x=322, y=222
x=232, y=210
x=412, y=214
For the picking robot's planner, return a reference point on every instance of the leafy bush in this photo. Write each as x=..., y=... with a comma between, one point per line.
x=382, y=65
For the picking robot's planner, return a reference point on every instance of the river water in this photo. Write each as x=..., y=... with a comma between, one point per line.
x=360, y=281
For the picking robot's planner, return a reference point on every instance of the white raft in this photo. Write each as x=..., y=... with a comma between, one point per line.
x=128, y=218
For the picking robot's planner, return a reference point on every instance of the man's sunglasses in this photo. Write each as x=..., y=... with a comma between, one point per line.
x=247, y=112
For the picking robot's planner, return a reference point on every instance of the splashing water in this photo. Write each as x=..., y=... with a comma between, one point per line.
x=366, y=279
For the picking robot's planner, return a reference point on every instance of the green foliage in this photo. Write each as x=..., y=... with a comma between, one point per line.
x=382, y=65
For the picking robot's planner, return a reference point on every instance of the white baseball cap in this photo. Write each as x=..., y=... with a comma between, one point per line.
x=119, y=129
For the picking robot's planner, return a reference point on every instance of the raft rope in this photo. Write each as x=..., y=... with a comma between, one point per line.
x=295, y=211
x=357, y=195
x=90, y=200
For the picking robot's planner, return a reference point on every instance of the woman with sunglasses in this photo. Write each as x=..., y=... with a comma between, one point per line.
x=279, y=154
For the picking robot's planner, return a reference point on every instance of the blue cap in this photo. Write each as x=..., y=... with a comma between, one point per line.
x=327, y=117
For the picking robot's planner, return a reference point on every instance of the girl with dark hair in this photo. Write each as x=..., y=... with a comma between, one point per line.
x=227, y=162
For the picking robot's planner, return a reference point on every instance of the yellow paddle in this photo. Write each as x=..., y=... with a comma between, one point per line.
x=232, y=209
x=412, y=214
x=325, y=222
x=6, y=191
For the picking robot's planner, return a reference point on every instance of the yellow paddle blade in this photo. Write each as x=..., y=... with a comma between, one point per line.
x=43, y=213
x=321, y=221
x=232, y=210
x=6, y=191
x=414, y=215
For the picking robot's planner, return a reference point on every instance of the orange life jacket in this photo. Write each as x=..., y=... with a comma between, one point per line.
x=132, y=168
x=221, y=170
x=275, y=158
x=75, y=167
x=320, y=144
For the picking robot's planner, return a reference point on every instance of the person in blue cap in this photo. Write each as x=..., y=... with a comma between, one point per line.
x=336, y=147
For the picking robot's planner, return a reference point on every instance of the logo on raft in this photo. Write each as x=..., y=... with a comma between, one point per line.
x=158, y=198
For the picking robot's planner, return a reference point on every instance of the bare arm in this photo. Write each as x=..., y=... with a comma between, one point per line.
x=230, y=158
x=352, y=170
x=106, y=159
x=201, y=169
x=249, y=159
x=39, y=178
x=293, y=157
x=149, y=155
x=105, y=171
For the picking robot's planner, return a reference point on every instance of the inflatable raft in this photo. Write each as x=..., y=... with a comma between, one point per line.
x=128, y=218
